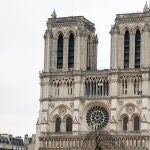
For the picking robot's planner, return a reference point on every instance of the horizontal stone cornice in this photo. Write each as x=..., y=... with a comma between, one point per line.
x=95, y=98
x=105, y=72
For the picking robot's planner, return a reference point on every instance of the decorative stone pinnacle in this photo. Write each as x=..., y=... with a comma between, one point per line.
x=54, y=15
x=146, y=9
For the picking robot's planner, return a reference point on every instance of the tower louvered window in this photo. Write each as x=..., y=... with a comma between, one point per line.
x=60, y=52
x=71, y=52
x=126, y=49
x=88, y=53
x=136, y=123
x=69, y=124
x=57, y=124
x=137, y=49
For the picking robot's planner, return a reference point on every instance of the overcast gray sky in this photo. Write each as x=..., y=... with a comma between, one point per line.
x=22, y=25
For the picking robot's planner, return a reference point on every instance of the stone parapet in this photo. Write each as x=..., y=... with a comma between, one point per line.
x=105, y=140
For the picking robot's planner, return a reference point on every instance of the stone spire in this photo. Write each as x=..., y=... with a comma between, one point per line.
x=146, y=9
x=54, y=15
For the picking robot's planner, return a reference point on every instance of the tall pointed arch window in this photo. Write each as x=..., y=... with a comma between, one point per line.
x=137, y=48
x=57, y=124
x=126, y=49
x=125, y=123
x=71, y=51
x=136, y=123
x=60, y=52
x=69, y=124
x=88, y=53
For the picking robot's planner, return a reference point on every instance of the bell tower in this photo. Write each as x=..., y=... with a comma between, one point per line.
x=70, y=44
x=70, y=48
x=130, y=40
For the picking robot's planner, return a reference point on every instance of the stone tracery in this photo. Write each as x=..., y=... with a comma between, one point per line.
x=97, y=86
x=62, y=87
x=97, y=117
x=132, y=83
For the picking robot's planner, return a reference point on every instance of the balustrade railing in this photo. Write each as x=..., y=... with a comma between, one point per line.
x=83, y=142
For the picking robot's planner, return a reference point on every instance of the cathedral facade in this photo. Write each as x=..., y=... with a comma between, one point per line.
x=77, y=99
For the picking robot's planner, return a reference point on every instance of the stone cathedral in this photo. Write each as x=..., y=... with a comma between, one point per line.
x=77, y=100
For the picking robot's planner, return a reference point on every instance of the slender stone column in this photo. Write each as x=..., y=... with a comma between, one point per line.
x=83, y=52
x=132, y=51
x=113, y=116
x=114, y=85
x=130, y=125
x=47, y=52
x=144, y=114
x=130, y=91
x=77, y=52
x=94, y=63
x=145, y=44
x=63, y=126
x=54, y=55
x=145, y=84
x=121, y=52
x=76, y=113
x=65, y=54
x=114, y=48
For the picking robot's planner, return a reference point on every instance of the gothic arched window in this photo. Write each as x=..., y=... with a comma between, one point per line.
x=57, y=124
x=137, y=48
x=136, y=123
x=69, y=124
x=125, y=123
x=71, y=51
x=126, y=49
x=60, y=52
x=88, y=53
x=124, y=87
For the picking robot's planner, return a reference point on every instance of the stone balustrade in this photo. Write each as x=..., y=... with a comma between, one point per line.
x=89, y=141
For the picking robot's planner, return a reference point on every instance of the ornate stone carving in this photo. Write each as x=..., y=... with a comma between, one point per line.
x=72, y=104
x=146, y=27
x=100, y=85
x=144, y=118
x=49, y=26
x=97, y=117
x=130, y=109
x=52, y=105
x=75, y=120
x=109, y=102
x=81, y=29
x=37, y=123
x=62, y=110
x=46, y=80
x=139, y=102
x=62, y=81
x=114, y=29
x=44, y=121
x=113, y=120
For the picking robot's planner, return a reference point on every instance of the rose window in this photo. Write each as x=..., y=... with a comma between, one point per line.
x=97, y=117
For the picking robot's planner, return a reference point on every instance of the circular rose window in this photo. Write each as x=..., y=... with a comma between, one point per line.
x=97, y=117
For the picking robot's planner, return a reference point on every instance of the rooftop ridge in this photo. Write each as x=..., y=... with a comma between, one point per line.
x=70, y=19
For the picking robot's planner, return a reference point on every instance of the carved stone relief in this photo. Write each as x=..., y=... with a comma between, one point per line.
x=130, y=109
x=62, y=110
x=139, y=102
x=52, y=105
x=72, y=104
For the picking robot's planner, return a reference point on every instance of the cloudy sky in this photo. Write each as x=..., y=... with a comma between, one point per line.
x=22, y=25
